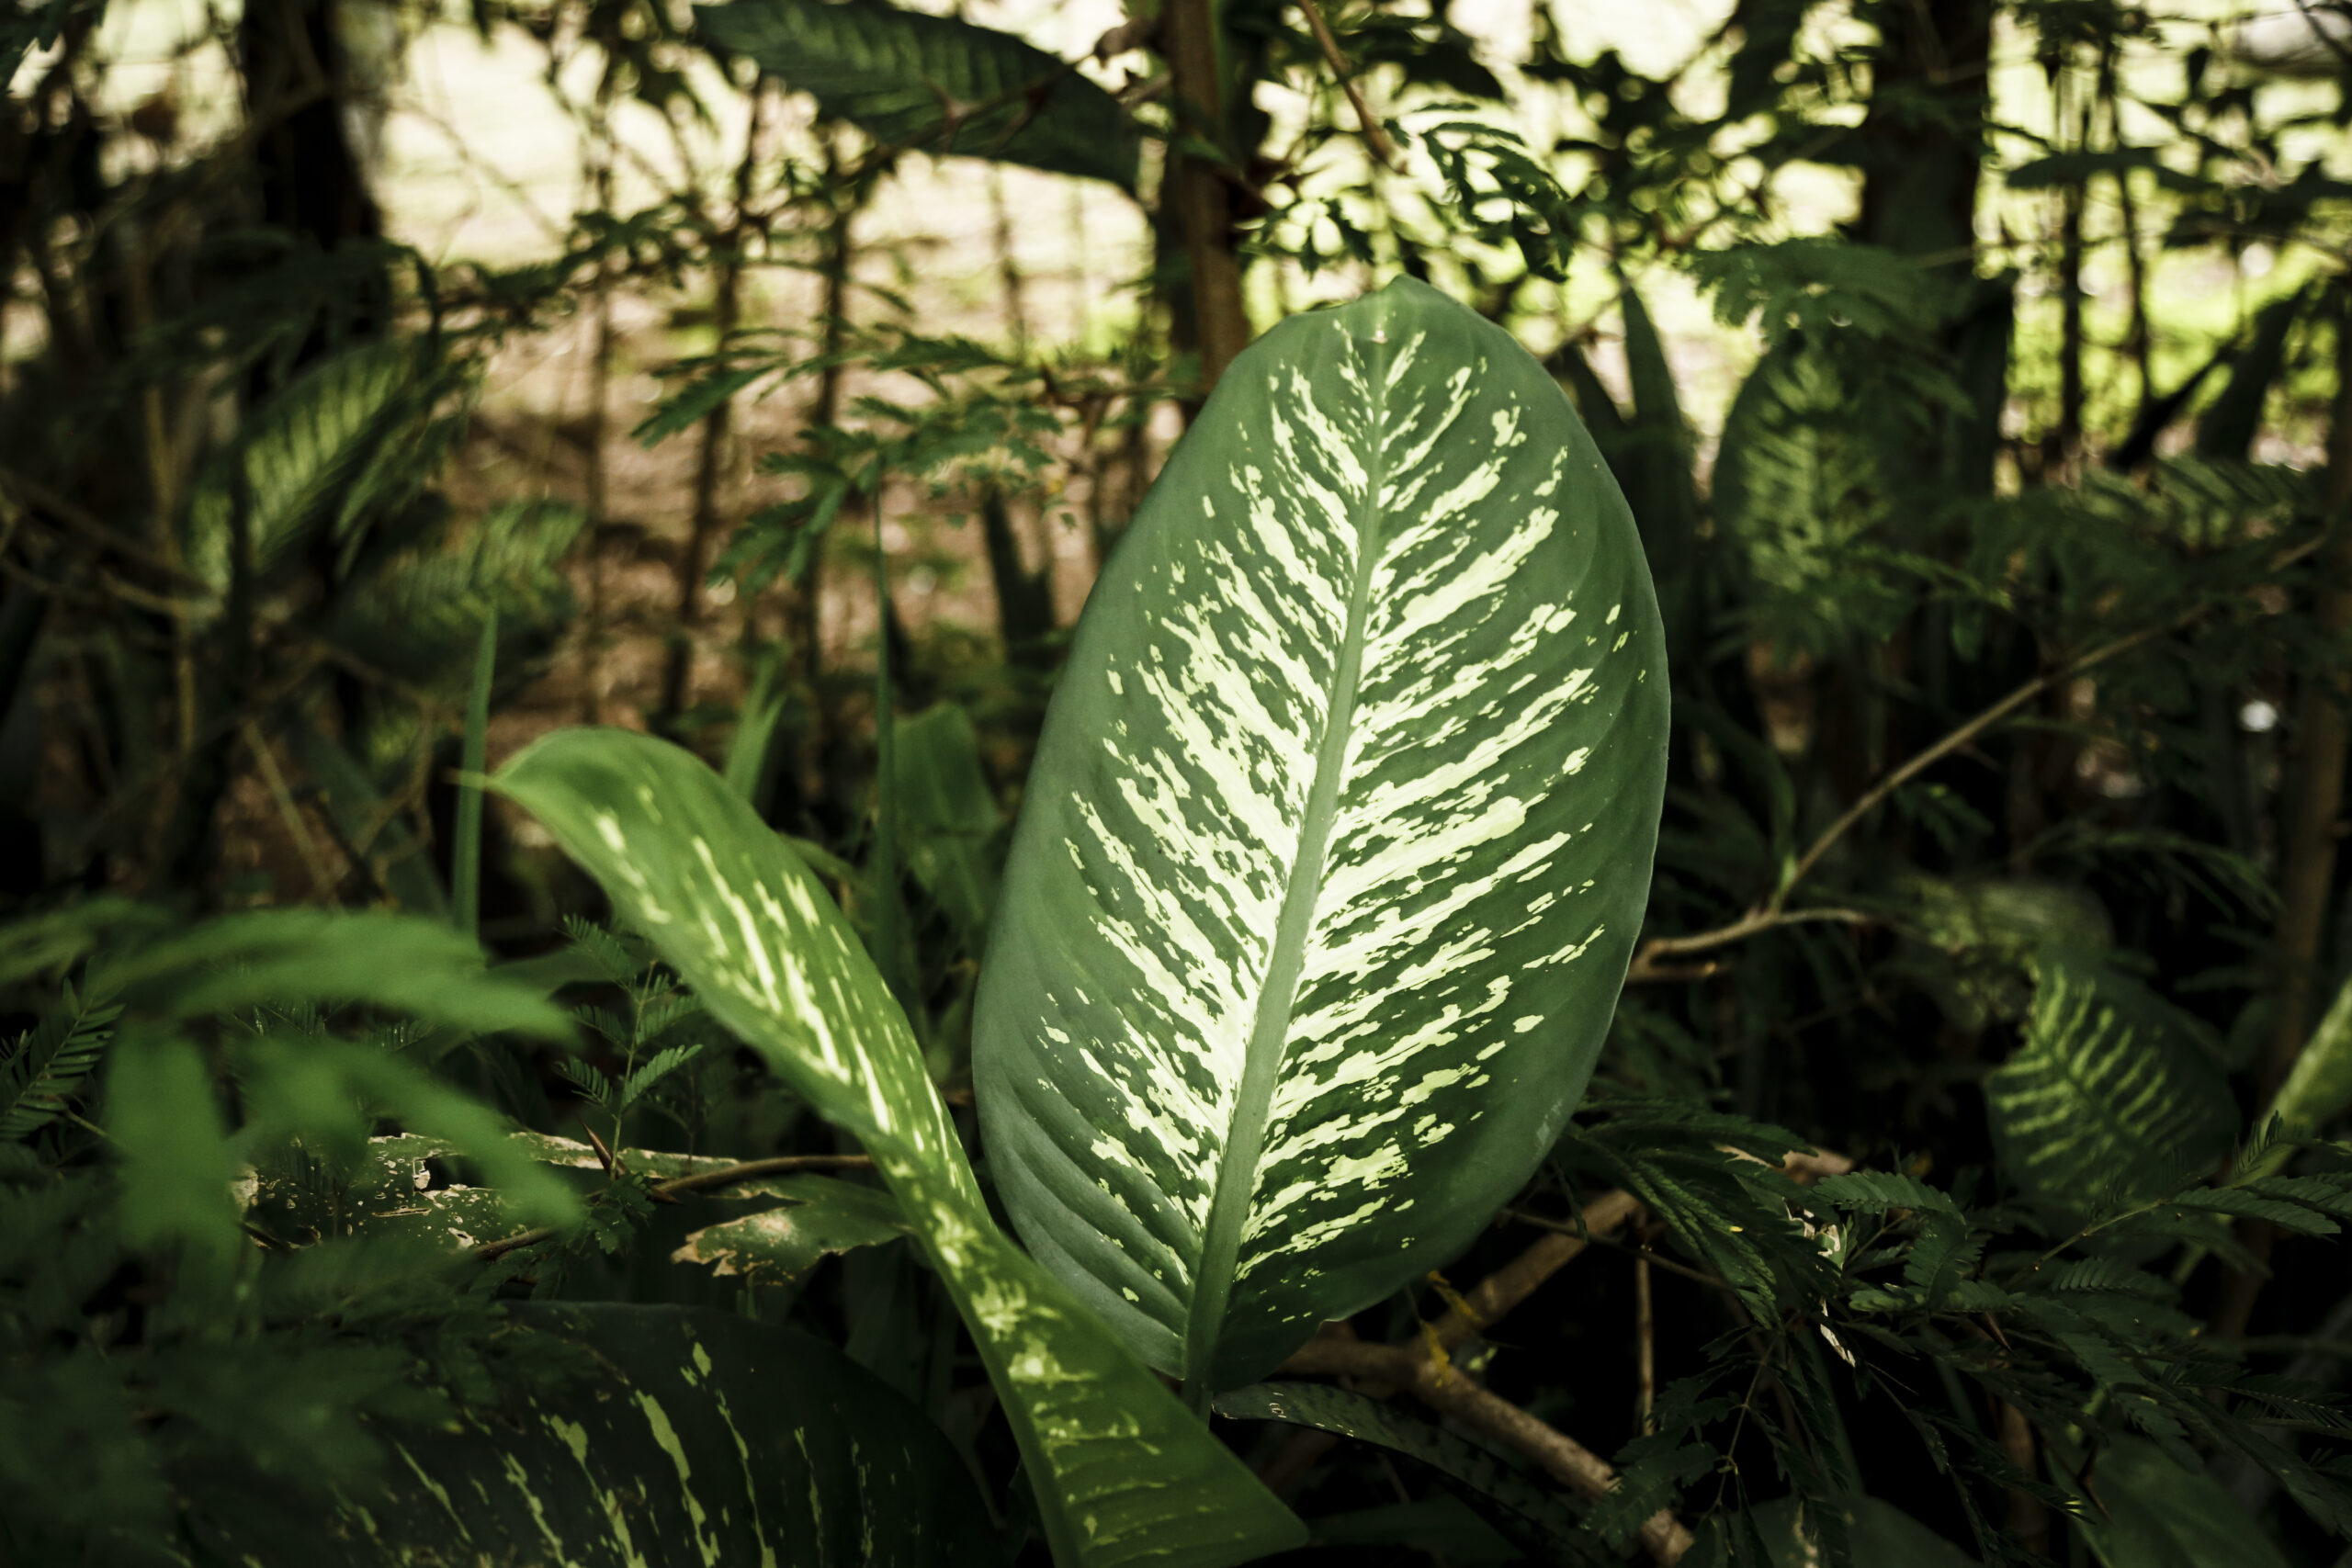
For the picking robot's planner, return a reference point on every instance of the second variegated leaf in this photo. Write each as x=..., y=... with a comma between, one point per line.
x=1336, y=845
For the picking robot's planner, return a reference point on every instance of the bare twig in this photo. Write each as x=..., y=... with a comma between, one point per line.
x=1655, y=961
x=1648, y=960
x=1375, y=137
x=1645, y=1351
x=1560, y=1227
x=1451, y=1393
x=1422, y=1367
x=698, y=1181
x=290, y=812
x=1494, y=1295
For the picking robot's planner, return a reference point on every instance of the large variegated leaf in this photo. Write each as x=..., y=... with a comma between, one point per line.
x=1123, y=1473
x=1336, y=844
x=684, y=1436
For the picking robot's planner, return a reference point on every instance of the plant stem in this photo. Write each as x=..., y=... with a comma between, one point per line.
x=1383, y=149
x=289, y=813
x=2307, y=836
x=1645, y=1352
x=465, y=863
x=1772, y=912
x=1450, y=1392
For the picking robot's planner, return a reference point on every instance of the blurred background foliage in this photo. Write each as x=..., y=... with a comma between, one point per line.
x=382, y=385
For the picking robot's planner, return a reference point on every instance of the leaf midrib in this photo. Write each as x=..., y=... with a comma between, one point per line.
x=1213, y=1275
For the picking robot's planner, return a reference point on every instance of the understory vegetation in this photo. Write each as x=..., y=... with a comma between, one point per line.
x=1677, y=900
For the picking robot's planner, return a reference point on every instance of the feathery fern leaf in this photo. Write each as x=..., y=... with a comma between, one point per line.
x=52, y=1059
x=2109, y=1098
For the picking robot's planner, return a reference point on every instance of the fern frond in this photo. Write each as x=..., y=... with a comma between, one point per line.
x=51, y=1061
x=659, y=1018
x=1877, y=1192
x=586, y=1080
x=2110, y=1101
x=2110, y=1276
x=620, y=967
x=2246, y=1205
x=663, y=1063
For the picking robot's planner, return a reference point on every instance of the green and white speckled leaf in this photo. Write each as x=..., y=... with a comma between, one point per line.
x=1123, y=1473
x=1336, y=844
x=691, y=1438
x=302, y=461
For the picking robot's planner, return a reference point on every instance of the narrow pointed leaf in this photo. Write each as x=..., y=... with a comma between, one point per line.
x=1336, y=845
x=735, y=912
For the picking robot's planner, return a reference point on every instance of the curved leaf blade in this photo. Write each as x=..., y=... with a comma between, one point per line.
x=937, y=83
x=2160, y=1514
x=1336, y=844
x=735, y=912
x=1800, y=491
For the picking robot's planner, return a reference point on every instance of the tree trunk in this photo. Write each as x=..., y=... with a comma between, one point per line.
x=1922, y=139
x=2308, y=833
x=1199, y=197
x=309, y=174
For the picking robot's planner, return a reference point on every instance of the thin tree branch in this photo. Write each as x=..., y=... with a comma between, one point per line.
x=1375, y=137
x=1773, y=912
x=1498, y=1292
x=1451, y=1393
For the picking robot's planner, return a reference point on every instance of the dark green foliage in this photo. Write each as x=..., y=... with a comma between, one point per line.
x=1988, y=1208
x=49, y=1063
x=2109, y=1096
x=935, y=84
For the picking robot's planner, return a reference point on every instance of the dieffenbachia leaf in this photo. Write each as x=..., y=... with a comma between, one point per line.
x=692, y=1437
x=303, y=463
x=1336, y=844
x=735, y=912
